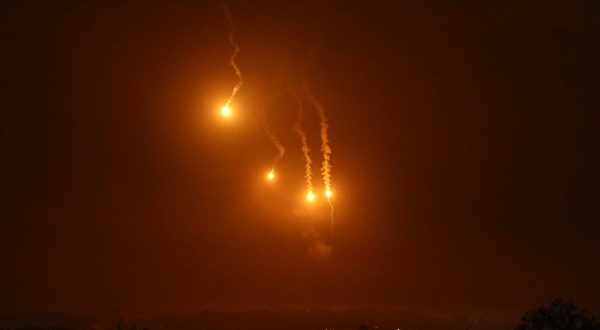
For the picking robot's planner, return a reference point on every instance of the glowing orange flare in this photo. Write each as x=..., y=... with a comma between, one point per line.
x=271, y=175
x=226, y=111
x=310, y=196
x=328, y=193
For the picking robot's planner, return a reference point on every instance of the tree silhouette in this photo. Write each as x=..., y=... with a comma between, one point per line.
x=560, y=315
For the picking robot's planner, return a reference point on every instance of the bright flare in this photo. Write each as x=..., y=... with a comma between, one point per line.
x=304, y=142
x=328, y=193
x=226, y=111
x=271, y=175
x=325, y=147
x=310, y=196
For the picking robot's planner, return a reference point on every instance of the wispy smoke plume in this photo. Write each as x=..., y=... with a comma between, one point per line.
x=274, y=140
x=278, y=146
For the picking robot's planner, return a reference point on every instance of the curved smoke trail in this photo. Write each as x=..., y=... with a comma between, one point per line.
x=235, y=53
x=280, y=148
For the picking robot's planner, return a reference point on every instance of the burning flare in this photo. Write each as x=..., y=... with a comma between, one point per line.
x=325, y=147
x=310, y=196
x=324, y=125
x=271, y=175
x=304, y=143
x=278, y=146
x=226, y=110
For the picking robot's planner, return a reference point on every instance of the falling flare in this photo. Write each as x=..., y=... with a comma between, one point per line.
x=278, y=146
x=304, y=143
x=236, y=50
x=310, y=196
x=271, y=175
x=226, y=111
x=280, y=152
x=324, y=126
x=325, y=147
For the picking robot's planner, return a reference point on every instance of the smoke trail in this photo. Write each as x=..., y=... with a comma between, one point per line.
x=304, y=142
x=234, y=54
x=325, y=147
x=278, y=146
x=331, y=213
x=273, y=139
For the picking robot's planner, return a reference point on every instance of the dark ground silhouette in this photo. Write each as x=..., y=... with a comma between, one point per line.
x=560, y=315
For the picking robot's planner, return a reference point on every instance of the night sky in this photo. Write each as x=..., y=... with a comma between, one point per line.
x=465, y=139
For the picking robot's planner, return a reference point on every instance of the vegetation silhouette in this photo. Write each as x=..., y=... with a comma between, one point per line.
x=561, y=315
